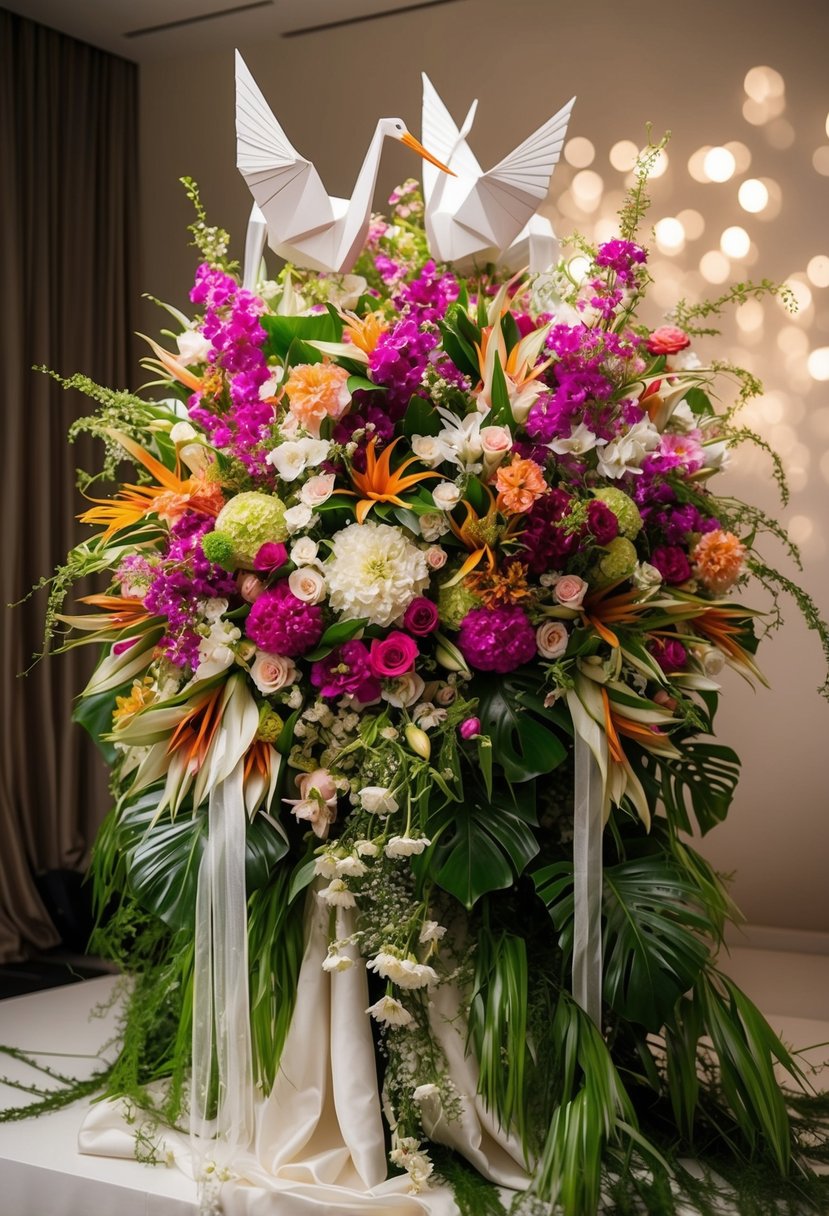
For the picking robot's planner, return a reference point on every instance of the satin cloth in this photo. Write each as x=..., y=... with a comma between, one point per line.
x=319, y=1144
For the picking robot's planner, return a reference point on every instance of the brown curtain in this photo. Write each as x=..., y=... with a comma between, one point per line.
x=68, y=166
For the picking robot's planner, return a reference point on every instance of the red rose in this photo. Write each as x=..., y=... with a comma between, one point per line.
x=668, y=340
x=421, y=616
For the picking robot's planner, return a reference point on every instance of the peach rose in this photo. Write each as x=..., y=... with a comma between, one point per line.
x=271, y=672
x=668, y=340
x=570, y=590
x=435, y=557
x=307, y=584
x=250, y=587
x=551, y=638
x=317, y=391
x=496, y=441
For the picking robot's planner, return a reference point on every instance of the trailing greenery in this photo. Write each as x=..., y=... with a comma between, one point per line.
x=775, y=583
x=688, y=315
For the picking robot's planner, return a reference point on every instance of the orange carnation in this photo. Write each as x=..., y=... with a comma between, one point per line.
x=519, y=485
x=317, y=391
x=718, y=560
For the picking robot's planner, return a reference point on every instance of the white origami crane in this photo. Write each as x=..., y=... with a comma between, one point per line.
x=477, y=217
x=304, y=224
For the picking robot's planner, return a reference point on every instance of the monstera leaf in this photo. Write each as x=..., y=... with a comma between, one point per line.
x=163, y=857
x=94, y=714
x=522, y=739
x=483, y=843
x=652, y=922
x=704, y=776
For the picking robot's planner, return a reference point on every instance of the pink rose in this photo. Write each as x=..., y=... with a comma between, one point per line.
x=307, y=584
x=250, y=587
x=317, y=490
x=392, y=656
x=668, y=340
x=551, y=639
x=270, y=556
x=570, y=590
x=271, y=672
x=435, y=557
x=469, y=728
x=421, y=617
x=496, y=442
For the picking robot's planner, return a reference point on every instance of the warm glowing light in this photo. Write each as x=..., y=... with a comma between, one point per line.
x=792, y=341
x=623, y=155
x=818, y=270
x=741, y=154
x=818, y=363
x=820, y=160
x=696, y=164
x=735, y=242
x=693, y=223
x=800, y=529
x=763, y=83
x=670, y=235
x=606, y=229
x=753, y=195
x=719, y=164
x=755, y=112
x=579, y=152
x=771, y=406
x=587, y=184
x=714, y=266
x=827, y=124
x=750, y=316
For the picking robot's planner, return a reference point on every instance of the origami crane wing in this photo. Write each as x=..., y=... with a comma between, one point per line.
x=442, y=136
x=510, y=193
x=285, y=185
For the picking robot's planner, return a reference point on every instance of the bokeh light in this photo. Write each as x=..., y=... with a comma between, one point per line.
x=692, y=222
x=623, y=155
x=820, y=160
x=750, y=316
x=714, y=266
x=719, y=164
x=753, y=195
x=670, y=235
x=579, y=152
x=818, y=363
x=735, y=242
x=764, y=83
x=817, y=271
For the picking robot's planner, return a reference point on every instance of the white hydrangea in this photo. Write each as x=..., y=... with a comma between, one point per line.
x=375, y=572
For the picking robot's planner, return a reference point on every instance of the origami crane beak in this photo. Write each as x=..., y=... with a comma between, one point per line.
x=417, y=146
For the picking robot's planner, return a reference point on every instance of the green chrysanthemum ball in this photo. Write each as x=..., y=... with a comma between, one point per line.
x=454, y=603
x=218, y=548
x=624, y=508
x=618, y=560
x=252, y=520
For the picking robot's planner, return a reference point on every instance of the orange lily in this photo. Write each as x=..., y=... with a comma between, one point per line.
x=172, y=494
x=381, y=483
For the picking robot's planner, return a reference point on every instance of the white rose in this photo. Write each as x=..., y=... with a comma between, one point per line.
x=432, y=527
x=193, y=347
x=307, y=584
x=435, y=557
x=298, y=517
x=318, y=490
x=429, y=450
x=645, y=576
x=551, y=639
x=378, y=800
x=404, y=690
x=446, y=495
x=270, y=672
x=304, y=551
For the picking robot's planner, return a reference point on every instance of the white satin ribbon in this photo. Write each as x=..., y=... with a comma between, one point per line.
x=588, y=827
x=221, y=1105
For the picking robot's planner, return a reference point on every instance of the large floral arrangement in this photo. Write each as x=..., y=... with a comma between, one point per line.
x=401, y=544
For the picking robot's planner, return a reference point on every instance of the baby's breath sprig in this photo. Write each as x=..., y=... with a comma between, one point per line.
x=212, y=243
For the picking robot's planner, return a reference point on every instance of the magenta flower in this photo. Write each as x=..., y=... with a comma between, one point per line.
x=672, y=563
x=601, y=522
x=469, y=728
x=346, y=670
x=270, y=556
x=669, y=653
x=497, y=639
x=282, y=624
x=421, y=617
x=392, y=656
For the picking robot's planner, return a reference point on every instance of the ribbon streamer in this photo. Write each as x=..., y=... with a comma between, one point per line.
x=221, y=1109
x=588, y=827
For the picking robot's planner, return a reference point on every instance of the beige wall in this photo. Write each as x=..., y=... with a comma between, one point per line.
x=678, y=65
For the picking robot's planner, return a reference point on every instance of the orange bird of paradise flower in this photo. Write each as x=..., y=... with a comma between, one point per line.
x=601, y=610
x=196, y=730
x=722, y=626
x=117, y=611
x=172, y=494
x=381, y=483
x=617, y=724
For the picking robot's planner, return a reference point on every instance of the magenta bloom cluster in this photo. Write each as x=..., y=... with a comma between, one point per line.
x=497, y=639
x=282, y=624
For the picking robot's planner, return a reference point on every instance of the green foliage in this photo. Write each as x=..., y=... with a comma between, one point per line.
x=498, y=1026
x=162, y=855
x=688, y=315
x=212, y=243
x=295, y=333
x=775, y=582
x=637, y=202
x=702, y=781
x=94, y=714
x=473, y=1194
x=518, y=726
x=275, y=949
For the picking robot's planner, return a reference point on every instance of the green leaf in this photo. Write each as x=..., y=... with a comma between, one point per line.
x=510, y=330
x=335, y=635
x=501, y=412
x=523, y=745
x=163, y=859
x=652, y=922
x=699, y=401
x=421, y=418
x=705, y=776
x=353, y=383
x=283, y=331
x=482, y=844
x=459, y=350
x=94, y=714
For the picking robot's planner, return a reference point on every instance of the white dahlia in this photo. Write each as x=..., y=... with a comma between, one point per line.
x=374, y=572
